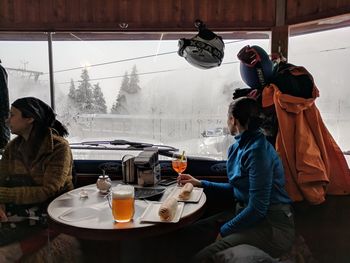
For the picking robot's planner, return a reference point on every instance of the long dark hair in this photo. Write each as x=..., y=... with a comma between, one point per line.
x=42, y=113
x=247, y=111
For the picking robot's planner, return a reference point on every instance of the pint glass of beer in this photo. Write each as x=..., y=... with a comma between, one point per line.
x=123, y=203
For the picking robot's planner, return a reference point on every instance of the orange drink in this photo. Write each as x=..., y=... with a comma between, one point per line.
x=179, y=163
x=123, y=203
x=179, y=166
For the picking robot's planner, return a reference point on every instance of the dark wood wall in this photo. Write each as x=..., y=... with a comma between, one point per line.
x=139, y=15
x=299, y=11
x=158, y=15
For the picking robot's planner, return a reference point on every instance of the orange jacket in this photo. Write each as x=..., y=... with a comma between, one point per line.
x=314, y=164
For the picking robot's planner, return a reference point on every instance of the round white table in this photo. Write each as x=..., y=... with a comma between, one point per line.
x=91, y=217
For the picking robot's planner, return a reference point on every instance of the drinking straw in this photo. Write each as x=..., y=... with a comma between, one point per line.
x=182, y=156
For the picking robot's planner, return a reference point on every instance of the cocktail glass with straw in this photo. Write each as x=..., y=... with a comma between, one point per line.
x=179, y=162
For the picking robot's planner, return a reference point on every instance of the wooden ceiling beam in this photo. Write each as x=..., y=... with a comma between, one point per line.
x=280, y=33
x=148, y=19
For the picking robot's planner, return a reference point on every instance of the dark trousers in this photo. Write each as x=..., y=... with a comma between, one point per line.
x=274, y=235
x=196, y=243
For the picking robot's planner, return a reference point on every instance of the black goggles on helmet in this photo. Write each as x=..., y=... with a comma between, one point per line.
x=249, y=56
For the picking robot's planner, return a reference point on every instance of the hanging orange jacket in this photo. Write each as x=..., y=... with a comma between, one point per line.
x=313, y=162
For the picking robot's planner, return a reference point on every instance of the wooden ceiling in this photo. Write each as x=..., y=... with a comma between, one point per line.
x=148, y=19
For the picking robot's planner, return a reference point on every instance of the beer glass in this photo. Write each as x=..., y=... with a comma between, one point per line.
x=123, y=203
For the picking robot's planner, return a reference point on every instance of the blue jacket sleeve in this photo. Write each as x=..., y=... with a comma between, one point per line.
x=215, y=190
x=260, y=170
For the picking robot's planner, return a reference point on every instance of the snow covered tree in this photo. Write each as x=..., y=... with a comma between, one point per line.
x=99, y=100
x=84, y=93
x=125, y=82
x=119, y=105
x=134, y=81
x=128, y=96
x=72, y=91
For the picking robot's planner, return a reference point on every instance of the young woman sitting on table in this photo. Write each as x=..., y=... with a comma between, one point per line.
x=262, y=216
x=35, y=167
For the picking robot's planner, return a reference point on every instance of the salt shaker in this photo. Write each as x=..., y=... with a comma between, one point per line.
x=103, y=183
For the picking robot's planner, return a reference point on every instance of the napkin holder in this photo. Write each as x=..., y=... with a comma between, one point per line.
x=147, y=167
x=129, y=169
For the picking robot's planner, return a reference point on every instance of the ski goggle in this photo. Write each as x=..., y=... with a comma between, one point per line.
x=249, y=56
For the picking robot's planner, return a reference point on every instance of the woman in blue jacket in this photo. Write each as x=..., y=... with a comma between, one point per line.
x=262, y=216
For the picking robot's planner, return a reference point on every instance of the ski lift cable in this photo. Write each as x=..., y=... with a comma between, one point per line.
x=125, y=60
x=120, y=76
x=169, y=70
x=178, y=69
x=140, y=74
x=112, y=62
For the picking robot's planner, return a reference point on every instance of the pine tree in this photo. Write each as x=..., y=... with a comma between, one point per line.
x=119, y=104
x=125, y=82
x=134, y=81
x=99, y=100
x=114, y=109
x=72, y=91
x=84, y=92
x=127, y=93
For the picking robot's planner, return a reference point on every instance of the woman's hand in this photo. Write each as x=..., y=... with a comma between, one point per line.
x=186, y=178
x=3, y=217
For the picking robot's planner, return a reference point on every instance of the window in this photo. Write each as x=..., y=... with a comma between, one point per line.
x=144, y=91
x=137, y=90
x=325, y=55
x=27, y=66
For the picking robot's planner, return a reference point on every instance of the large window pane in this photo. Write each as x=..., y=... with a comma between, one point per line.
x=326, y=55
x=144, y=91
x=26, y=63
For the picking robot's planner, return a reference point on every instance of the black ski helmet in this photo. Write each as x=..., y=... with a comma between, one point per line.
x=205, y=50
x=256, y=67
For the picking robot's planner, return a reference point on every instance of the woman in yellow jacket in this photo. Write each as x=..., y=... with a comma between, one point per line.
x=36, y=166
